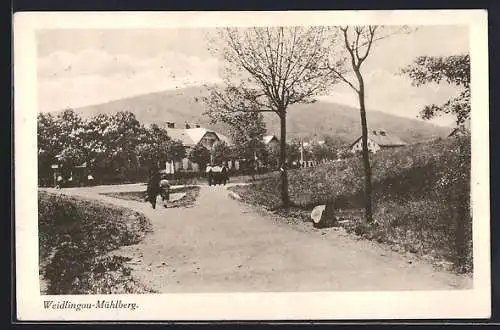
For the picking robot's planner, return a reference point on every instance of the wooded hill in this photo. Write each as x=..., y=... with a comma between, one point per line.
x=304, y=120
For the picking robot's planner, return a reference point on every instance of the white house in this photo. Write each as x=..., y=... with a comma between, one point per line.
x=377, y=140
x=270, y=140
x=190, y=136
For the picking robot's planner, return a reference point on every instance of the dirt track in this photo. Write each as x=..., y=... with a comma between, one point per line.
x=222, y=245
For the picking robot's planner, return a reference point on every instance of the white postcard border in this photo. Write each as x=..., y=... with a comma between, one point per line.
x=473, y=303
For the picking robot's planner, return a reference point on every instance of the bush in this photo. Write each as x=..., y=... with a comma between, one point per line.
x=74, y=237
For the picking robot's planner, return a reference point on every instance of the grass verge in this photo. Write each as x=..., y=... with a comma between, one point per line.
x=75, y=236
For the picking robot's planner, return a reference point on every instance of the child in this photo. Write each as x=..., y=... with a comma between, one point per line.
x=59, y=182
x=90, y=179
x=164, y=189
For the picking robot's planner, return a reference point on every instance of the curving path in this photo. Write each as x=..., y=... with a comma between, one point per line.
x=221, y=244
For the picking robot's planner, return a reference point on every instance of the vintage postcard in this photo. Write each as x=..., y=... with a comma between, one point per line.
x=318, y=165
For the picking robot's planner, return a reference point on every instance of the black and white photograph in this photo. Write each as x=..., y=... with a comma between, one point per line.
x=274, y=165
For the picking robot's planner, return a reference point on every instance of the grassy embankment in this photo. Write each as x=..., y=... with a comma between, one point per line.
x=421, y=198
x=75, y=237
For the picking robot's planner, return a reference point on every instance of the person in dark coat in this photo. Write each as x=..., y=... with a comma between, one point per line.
x=153, y=189
x=209, y=174
x=216, y=175
x=224, y=174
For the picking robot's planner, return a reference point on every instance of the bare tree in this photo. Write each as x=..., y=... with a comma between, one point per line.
x=267, y=70
x=358, y=42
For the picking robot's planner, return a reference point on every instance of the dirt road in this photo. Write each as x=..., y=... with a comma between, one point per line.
x=222, y=245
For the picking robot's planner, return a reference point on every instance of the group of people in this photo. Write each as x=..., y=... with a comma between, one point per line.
x=68, y=182
x=157, y=185
x=217, y=174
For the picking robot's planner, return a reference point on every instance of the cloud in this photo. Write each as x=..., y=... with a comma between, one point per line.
x=118, y=68
x=94, y=76
x=394, y=94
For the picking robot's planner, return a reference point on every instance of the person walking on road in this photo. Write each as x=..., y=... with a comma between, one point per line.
x=209, y=173
x=153, y=189
x=224, y=174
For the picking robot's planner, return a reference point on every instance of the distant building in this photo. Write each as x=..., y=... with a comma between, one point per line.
x=190, y=135
x=193, y=136
x=461, y=130
x=271, y=140
x=377, y=140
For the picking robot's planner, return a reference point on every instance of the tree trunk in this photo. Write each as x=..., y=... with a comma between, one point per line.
x=461, y=215
x=283, y=164
x=365, y=152
x=460, y=240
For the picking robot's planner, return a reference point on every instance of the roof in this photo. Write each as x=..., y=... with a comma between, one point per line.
x=192, y=136
x=463, y=129
x=269, y=138
x=383, y=139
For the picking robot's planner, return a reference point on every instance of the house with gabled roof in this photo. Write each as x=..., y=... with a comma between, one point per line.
x=270, y=140
x=191, y=135
x=461, y=130
x=377, y=140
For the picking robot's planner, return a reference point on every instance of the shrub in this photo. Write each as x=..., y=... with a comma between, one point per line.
x=75, y=236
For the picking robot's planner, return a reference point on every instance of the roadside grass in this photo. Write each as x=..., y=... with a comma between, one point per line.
x=188, y=200
x=75, y=236
x=420, y=198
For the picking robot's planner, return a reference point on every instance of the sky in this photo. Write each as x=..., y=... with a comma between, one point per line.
x=91, y=66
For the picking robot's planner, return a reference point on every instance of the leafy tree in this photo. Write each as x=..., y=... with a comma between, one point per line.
x=175, y=151
x=220, y=152
x=156, y=147
x=272, y=155
x=199, y=155
x=68, y=138
x=328, y=150
x=454, y=70
x=247, y=130
x=152, y=148
x=47, y=134
x=292, y=151
x=48, y=141
x=320, y=152
x=269, y=69
x=96, y=140
x=72, y=156
x=123, y=135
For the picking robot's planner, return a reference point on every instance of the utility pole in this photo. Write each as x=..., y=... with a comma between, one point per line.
x=301, y=151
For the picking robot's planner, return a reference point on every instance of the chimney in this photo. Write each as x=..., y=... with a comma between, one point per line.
x=382, y=132
x=187, y=125
x=170, y=124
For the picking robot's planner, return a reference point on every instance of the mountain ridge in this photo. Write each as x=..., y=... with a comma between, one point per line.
x=303, y=120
